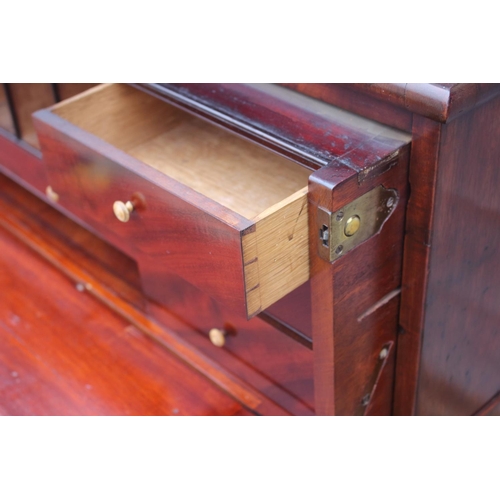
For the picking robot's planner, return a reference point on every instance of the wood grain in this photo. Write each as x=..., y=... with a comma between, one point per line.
x=461, y=332
x=23, y=163
x=5, y=114
x=292, y=124
x=89, y=178
x=355, y=321
x=293, y=312
x=423, y=171
x=441, y=102
x=264, y=357
x=63, y=353
x=356, y=102
x=212, y=170
x=233, y=172
x=259, y=366
x=67, y=90
x=26, y=99
x=276, y=253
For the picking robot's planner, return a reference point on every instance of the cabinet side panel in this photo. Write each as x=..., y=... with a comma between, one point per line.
x=460, y=358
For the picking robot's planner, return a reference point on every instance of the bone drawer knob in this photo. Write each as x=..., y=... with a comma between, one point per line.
x=217, y=337
x=122, y=210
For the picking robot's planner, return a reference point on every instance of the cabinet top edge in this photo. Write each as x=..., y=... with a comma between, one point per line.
x=441, y=102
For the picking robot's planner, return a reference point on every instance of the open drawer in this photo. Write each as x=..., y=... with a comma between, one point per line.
x=179, y=194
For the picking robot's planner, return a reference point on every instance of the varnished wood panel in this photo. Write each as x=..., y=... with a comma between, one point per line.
x=266, y=358
x=276, y=253
x=294, y=310
x=359, y=296
x=294, y=125
x=233, y=172
x=360, y=103
x=89, y=175
x=441, y=102
x=63, y=353
x=460, y=359
x=88, y=183
x=6, y=121
x=28, y=98
x=491, y=408
x=22, y=162
x=423, y=171
x=179, y=215
x=257, y=361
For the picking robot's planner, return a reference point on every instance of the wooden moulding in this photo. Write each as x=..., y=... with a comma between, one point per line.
x=441, y=102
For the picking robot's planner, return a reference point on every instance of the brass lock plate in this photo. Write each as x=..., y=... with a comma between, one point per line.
x=341, y=231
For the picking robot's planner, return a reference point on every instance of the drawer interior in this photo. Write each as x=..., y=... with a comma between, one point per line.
x=267, y=191
x=234, y=172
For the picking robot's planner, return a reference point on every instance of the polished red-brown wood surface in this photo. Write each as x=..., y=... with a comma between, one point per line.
x=6, y=118
x=460, y=358
x=113, y=279
x=360, y=103
x=64, y=353
x=423, y=171
x=359, y=294
x=67, y=90
x=440, y=102
x=174, y=228
x=22, y=162
x=290, y=123
x=294, y=312
x=90, y=175
x=272, y=362
x=440, y=354
x=490, y=408
x=26, y=99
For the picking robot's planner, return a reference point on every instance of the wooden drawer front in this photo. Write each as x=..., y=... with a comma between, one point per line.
x=276, y=365
x=226, y=215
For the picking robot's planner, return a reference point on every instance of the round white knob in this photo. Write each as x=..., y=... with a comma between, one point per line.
x=122, y=210
x=217, y=337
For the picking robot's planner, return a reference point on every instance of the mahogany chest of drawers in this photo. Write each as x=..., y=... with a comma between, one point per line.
x=311, y=249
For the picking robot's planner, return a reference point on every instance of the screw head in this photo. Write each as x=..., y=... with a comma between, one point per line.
x=340, y=215
x=365, y=400
x=352, y=225
x=390, y=202
x=339, y=249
